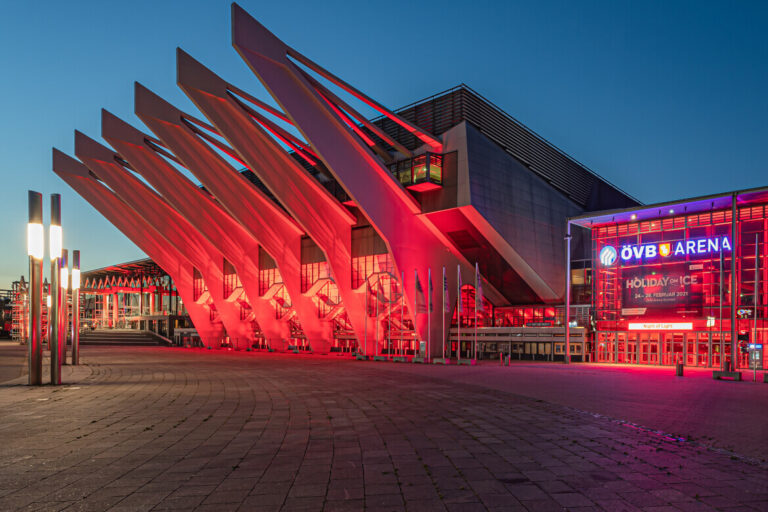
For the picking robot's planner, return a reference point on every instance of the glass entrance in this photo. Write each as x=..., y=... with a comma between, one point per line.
x=702, y=356
x=674, y=347
x=606, y=347
x=632, y=347
x=654, y=344
x=622, y=347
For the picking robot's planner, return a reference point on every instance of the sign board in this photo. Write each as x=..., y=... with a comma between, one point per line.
x=661, y=288
x=661, y=326
x=655, y=252
x=538, y=324
x=633, y=311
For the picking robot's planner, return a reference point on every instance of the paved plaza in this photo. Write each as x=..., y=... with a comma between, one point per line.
x=173, y=429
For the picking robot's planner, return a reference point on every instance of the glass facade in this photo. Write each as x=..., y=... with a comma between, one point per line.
x=663, y=289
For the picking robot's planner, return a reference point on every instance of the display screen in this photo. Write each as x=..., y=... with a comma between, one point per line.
x=670, y=289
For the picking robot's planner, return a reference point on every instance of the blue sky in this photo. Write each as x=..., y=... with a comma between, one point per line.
x=664, y=99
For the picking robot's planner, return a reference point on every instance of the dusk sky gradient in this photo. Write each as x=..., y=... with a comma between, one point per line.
x=666, y=100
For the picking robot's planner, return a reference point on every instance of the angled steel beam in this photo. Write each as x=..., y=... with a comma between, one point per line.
x=274, y=230
x=413, y=241
x=321, y=216
x=174, y=228
x=204, y=214
x=146, y=237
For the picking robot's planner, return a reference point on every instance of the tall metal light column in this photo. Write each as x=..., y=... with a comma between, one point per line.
x=76, y=307
x=35, y=251
x=53, y=314
x=64, y=311
x=735, y=243
x=568, y=295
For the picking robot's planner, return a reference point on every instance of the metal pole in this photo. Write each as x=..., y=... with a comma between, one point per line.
x=389, y=315
x=568, y=293
x=734, y=292
x=365, y=329
x=442, y=308
x=54, y=318
x=376, y=315
x=429, y=313
x=64, y=313
x=402, y=308
x=35, y=251
x=722, y=331
x=755, y=309
x=474, y=344
x=75, y=307
x=458, y=314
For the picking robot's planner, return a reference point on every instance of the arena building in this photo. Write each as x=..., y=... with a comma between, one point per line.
x=314, y=227
x=683, y=281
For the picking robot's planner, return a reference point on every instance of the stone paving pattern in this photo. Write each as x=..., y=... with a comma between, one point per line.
x=173, y=429
x=723, y=414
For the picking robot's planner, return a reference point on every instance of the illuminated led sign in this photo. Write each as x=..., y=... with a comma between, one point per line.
x=661, y=326
x=608, y=255
x=694, y=247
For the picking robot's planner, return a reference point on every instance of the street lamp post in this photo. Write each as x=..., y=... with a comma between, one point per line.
x=35, y=251
x=53, y=314
x=64, y=312
x=75, y=307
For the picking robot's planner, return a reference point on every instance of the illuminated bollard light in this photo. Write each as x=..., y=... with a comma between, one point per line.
x=35, y=251
x=75, y=307
x=64, y=312
x=54, y=318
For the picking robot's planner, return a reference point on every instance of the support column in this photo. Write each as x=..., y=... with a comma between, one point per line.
x=115, y=309
x=144, y=235
x=264, y=221
x=300, y=193
x=170, y=224
x=206, y=216
x=412, y=240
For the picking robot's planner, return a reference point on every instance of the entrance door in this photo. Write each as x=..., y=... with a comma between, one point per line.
x=605, y=347
x=691, y=349
x=632, y=347
x=678, y=347
x=667, y=352
x=654, y=344
x=622, y=352
x=703, y=349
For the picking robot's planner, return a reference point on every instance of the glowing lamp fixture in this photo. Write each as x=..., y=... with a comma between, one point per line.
x=55, y=242
x=75, y=270
x=64, y=272
x=55, y=229
x=35, y=240
x=48, y=300
x=35, y=233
